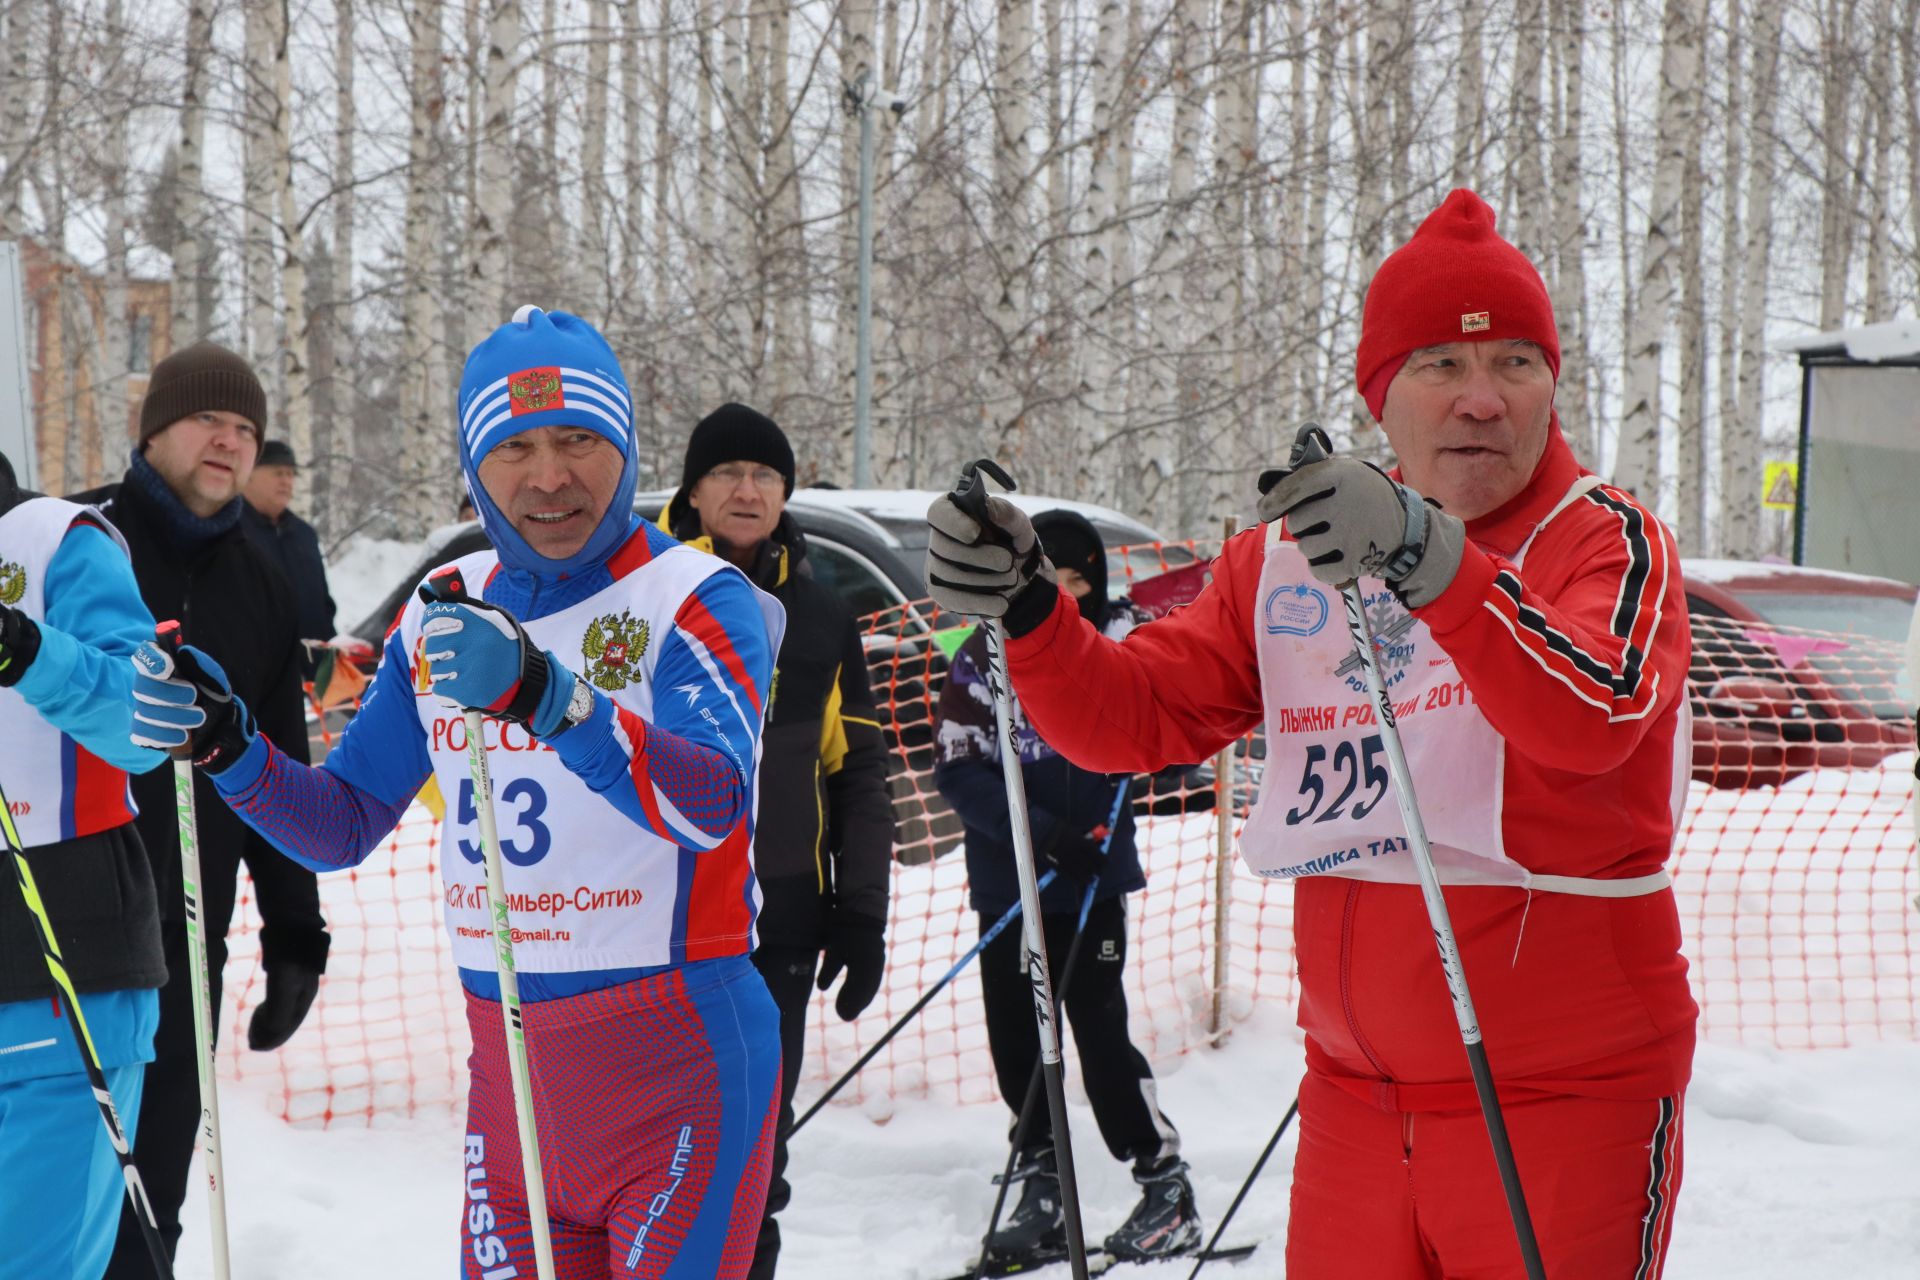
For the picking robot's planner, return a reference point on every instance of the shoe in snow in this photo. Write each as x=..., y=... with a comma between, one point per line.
x=1036, y=1230
x=1165, y=1222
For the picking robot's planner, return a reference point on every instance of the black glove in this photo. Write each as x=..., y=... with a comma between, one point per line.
x=290, y=992
x=858, y=945
x=1078, y=858
x=19, y=645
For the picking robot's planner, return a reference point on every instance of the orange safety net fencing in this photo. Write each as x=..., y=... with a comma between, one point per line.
x=1794, y=869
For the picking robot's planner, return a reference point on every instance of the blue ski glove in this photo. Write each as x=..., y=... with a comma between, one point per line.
x=480, y=658
x=184, y=705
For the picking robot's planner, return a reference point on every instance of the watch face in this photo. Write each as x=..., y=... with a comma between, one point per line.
x=580, y=706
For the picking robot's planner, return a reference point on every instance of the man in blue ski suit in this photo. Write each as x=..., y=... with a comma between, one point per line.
x=70, y=614
x=624, y=678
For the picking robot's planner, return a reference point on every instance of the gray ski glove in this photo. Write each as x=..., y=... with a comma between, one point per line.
x=1352, y=519
x=976, y=570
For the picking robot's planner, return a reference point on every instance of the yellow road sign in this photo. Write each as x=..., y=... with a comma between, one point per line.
x=1780, y=489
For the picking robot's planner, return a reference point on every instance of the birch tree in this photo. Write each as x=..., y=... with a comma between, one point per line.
x=1637, y=467
x=1837, y=76
x=1569, y=257
x=489, y=286
x=261, y=197
x=296, y=358
x=1740, y=449
x=423, y=386
x=114, y=348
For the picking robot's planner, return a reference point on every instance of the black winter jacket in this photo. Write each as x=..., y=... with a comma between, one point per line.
x=234, y=604
x=98, y=891
x=293, y=544
x=824, y=835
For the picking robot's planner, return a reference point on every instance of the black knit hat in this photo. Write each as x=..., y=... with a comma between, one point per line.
x=277, y=453
x=197, y=378
x=735, y=433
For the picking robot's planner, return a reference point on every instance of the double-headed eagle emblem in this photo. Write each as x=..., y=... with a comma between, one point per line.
x=613, y=646
x=13, y=583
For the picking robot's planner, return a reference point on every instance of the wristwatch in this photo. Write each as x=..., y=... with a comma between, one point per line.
x=579, y=706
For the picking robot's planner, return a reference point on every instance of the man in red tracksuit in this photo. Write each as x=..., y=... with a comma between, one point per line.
x=1530, y=624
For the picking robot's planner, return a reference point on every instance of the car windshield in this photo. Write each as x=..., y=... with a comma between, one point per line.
x=1882, y=617
x=1866, y=683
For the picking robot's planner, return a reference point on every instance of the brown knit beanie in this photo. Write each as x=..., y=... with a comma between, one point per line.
x=202, y=376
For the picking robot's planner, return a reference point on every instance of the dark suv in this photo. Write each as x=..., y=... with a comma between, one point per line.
x=870, y=545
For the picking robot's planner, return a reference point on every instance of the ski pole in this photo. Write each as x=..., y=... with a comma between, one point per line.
x=1025, y=1118
x=999, y=926
x=449, y=587
x=970, y=495
x=83, y=1040
x=1312, y=445
x=1206, y=1254
x=211, y=1146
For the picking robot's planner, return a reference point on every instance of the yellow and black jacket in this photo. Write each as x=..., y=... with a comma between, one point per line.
x=824, y=835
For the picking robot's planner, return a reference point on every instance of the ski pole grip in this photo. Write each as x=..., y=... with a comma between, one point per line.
x=1310, y=444
x=444, y=587
x=970, y=495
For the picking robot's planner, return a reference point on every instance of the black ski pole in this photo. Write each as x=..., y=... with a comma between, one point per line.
x=999, y=926
x=970, y=495
x=1206, y=1254
x=1311, y=445
x=1025, y=1118
x=83, y=1039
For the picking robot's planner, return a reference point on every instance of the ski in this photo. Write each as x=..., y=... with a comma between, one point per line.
x=1099, y=1262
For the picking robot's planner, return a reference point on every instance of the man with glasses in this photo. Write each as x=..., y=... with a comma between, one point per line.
x=824, y=840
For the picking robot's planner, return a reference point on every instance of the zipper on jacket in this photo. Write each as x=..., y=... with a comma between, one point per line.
x=819, y=829
x=1346, y=979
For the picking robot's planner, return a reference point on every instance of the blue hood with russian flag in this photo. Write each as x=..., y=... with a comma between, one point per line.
x=546, y=369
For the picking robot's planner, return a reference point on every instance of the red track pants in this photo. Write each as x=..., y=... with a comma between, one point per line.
x=1390, y=1195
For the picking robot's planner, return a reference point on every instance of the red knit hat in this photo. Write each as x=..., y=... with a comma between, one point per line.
x=1457, y=280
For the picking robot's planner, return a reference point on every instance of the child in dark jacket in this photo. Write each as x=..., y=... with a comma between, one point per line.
x=1075, y=834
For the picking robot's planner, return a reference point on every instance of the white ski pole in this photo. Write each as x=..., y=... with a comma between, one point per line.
x=1312, y=445
x=970, y=495
x=450, y=587
x=168, y=635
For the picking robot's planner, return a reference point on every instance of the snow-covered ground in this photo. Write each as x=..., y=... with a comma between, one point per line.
x=1798, y=1164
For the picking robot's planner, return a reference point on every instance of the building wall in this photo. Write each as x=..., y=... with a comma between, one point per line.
x=66, y=318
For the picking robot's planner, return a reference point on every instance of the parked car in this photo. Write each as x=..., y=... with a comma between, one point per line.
x=870, y=545
x=1793, y=670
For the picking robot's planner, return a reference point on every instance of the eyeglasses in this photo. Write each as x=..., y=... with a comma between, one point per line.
x=732, y=473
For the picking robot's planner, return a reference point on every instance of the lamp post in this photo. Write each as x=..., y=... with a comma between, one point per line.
x=863, y=97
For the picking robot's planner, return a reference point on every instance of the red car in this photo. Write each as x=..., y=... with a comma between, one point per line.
x=1794, y=669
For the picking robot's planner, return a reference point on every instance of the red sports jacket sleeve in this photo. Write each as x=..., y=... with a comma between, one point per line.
x=1574, y=659
x=1175, y=691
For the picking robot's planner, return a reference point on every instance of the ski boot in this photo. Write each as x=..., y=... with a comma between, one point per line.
x=1035, y=1233
x=1165, y=1222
